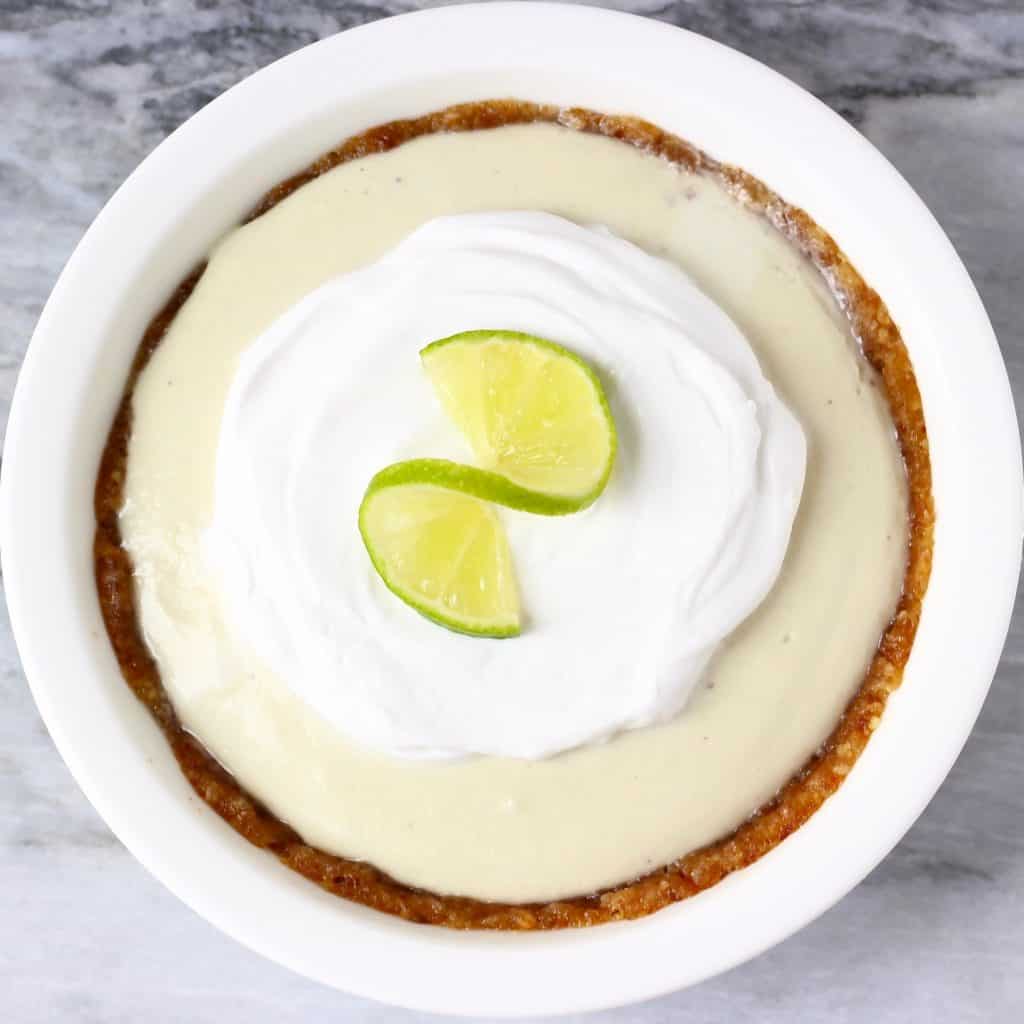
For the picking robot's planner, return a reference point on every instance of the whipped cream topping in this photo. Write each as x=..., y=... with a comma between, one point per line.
x=624, y=603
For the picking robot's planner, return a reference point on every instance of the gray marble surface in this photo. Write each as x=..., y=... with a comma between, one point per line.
x=936, y=933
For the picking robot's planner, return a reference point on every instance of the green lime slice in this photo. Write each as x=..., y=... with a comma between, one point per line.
x=439, y=545
x=532, y=411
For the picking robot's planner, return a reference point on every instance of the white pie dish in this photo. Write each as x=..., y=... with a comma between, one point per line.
x=200, y=182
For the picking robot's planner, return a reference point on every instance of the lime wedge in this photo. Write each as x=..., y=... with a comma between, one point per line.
x=440, y=546
x=532, y=411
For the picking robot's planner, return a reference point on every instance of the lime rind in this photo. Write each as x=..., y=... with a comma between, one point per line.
x=480, y=483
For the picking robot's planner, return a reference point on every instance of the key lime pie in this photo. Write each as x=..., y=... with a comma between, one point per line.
x=519, y=522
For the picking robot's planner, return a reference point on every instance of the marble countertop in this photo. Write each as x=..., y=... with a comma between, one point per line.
x=936, y=933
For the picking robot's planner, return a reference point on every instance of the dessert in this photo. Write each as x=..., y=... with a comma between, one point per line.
x=589, y=768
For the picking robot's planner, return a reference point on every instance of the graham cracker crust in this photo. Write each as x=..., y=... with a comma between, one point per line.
x=800, y=797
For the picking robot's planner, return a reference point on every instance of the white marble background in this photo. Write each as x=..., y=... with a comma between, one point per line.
x=935, y=934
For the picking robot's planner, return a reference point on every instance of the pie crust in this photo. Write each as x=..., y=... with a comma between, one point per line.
x=799, y=798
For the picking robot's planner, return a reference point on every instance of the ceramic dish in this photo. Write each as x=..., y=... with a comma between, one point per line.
x=199, y=183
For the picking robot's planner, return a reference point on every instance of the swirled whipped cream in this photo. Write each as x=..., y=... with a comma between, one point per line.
x=624, y=603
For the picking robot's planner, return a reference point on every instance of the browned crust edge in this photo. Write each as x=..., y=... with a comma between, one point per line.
x=799, y=798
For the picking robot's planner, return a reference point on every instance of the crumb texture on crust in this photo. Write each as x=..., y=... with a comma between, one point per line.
x=799, y=798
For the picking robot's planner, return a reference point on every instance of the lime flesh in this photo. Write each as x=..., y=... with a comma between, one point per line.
x=439, y=546
x=533, y=412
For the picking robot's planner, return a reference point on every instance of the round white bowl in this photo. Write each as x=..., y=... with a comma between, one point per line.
x=199, y=183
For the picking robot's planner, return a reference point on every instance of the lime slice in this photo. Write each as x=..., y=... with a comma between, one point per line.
x=440, y=547
x=533, y=412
